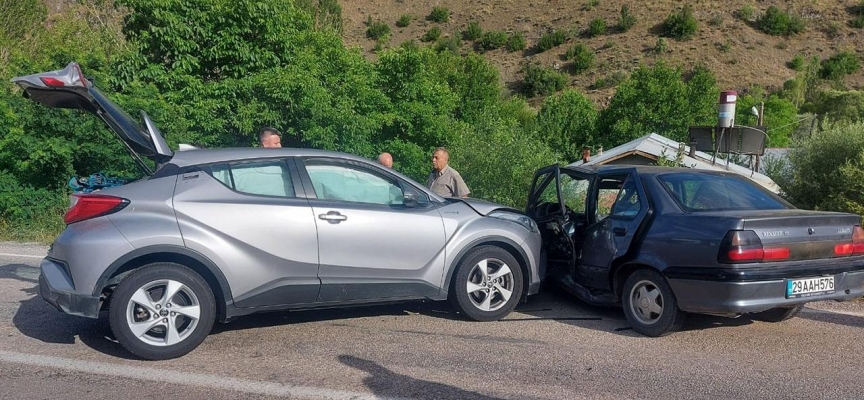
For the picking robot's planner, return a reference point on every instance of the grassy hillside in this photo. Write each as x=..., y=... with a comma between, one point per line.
x=727, y=40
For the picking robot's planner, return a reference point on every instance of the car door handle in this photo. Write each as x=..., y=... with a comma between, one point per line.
x=333, y=217
x=619, y=231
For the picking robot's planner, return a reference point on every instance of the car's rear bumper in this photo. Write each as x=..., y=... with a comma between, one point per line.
x=735, y=297
x=56, y=288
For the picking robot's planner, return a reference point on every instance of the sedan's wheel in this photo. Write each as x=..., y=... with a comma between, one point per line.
x=778, y=314
x=649, y=304
x=162, y=311
x=487, y=285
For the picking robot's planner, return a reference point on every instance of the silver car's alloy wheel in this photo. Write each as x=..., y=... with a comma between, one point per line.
x=490, y=284
x=163, y=312
x=646, y=302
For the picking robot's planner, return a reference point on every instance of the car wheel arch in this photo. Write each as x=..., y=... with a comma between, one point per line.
x=174, y=254
x=621, y=272
x=501, y=242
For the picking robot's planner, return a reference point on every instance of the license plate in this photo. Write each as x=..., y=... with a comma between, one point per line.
x=809, y=287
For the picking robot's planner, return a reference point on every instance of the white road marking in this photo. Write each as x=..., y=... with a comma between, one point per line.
x=182, y=378
x=20, y=255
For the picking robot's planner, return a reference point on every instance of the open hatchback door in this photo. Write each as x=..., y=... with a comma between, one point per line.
x=68, y=88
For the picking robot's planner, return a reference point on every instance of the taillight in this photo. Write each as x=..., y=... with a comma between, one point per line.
x=86, y=206
x=857, y=240
x=854, y=248
x=745, y=247
x=53, y=82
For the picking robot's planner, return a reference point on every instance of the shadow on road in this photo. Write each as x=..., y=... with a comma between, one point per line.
x=855, y=321
x=38, y=320
x=386, y=383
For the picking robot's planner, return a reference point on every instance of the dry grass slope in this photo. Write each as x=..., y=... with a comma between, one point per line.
x=740, y=55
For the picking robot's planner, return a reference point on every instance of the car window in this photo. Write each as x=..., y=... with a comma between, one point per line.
x=718, y=192
x=268, y=178
x=350, y=183
x=627, y=204
x=574, y=191
x=609, y=189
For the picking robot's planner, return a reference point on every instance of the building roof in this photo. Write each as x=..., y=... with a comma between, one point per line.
x=655, y=146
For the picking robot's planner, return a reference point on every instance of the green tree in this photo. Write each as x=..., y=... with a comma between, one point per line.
x=781, y=116
x=658, y=99
x=826, y=170
x=566, y=123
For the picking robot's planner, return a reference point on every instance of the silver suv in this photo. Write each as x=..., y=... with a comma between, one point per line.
x=216, y=234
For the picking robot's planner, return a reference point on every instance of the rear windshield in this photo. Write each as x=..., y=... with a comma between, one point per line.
x=696, y=192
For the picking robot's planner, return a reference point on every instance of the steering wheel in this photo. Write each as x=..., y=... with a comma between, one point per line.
x=548, y=209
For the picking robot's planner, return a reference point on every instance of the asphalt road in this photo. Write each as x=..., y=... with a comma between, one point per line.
x=553, y=347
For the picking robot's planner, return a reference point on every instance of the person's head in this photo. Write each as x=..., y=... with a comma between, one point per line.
x=269, y=137
x=440, y=157
x=385, y=159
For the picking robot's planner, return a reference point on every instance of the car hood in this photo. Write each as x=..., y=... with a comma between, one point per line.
x=485, y=207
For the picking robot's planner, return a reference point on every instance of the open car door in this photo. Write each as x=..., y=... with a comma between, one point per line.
x=546, y=207
x=68, y=88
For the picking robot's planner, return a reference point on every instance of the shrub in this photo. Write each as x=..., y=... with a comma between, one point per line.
x=777, y=22
x=378, y=30
x=857, y=22
x=551, y=39
x=516, y=42
x=403, y=21
x=839, y=65
x=597, y=27
x=797, y=63
x=661, y=46
x=626, y=20
x=610, y=81
x=590, y=4
x=493, y=40
x=716, y=20
x=439, y=14
x=747, y=12
x=582, y=58
x=543, y=80
x=681, y=25
x=449, y=43
x=432, y=34
x=473, y=31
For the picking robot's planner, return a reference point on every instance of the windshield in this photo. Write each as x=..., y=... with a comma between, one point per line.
x=696, y=192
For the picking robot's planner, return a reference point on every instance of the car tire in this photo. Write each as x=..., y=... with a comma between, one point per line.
x=154, y=326
x=779, y=314
x=487, y=284
x=649, y=304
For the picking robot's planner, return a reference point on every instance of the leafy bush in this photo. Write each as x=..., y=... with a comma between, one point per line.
x=590, y=4
x=449, y=43
x=857, y=22
x=659, y=99
x=439, y=14
x=582, y=58
x=826, y=170
x=492, y=40
x=403, y=21
x=716, y=20
x=596, y=27
x=567, y=122
x=432, y=34
x=543, y=81
x=626, y=20
x=473, y=31
x=377, y=30
x=610, y=81
x=797, y=63
x=839, y=65
x=777, y=22
x=661, y=46
x=681, y=25
x=516, y=42
x=551, y=39
x=747, y=12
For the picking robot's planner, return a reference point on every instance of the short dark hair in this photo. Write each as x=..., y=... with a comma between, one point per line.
x=267, y=131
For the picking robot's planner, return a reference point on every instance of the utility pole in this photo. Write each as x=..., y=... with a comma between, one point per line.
x=760, y=123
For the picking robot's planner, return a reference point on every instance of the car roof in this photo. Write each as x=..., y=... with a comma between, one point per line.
x=208, y=156
x=640, y=169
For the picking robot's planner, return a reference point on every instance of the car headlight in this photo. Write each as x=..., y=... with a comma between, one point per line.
x=520, y=219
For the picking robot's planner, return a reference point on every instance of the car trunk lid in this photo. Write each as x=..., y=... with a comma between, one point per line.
x=68, y=88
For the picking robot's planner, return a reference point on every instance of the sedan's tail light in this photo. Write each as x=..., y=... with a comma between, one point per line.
x=854, y=248
x=746, y=247
x=86, y=206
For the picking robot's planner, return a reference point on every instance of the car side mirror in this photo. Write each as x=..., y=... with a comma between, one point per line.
x=409, y=199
